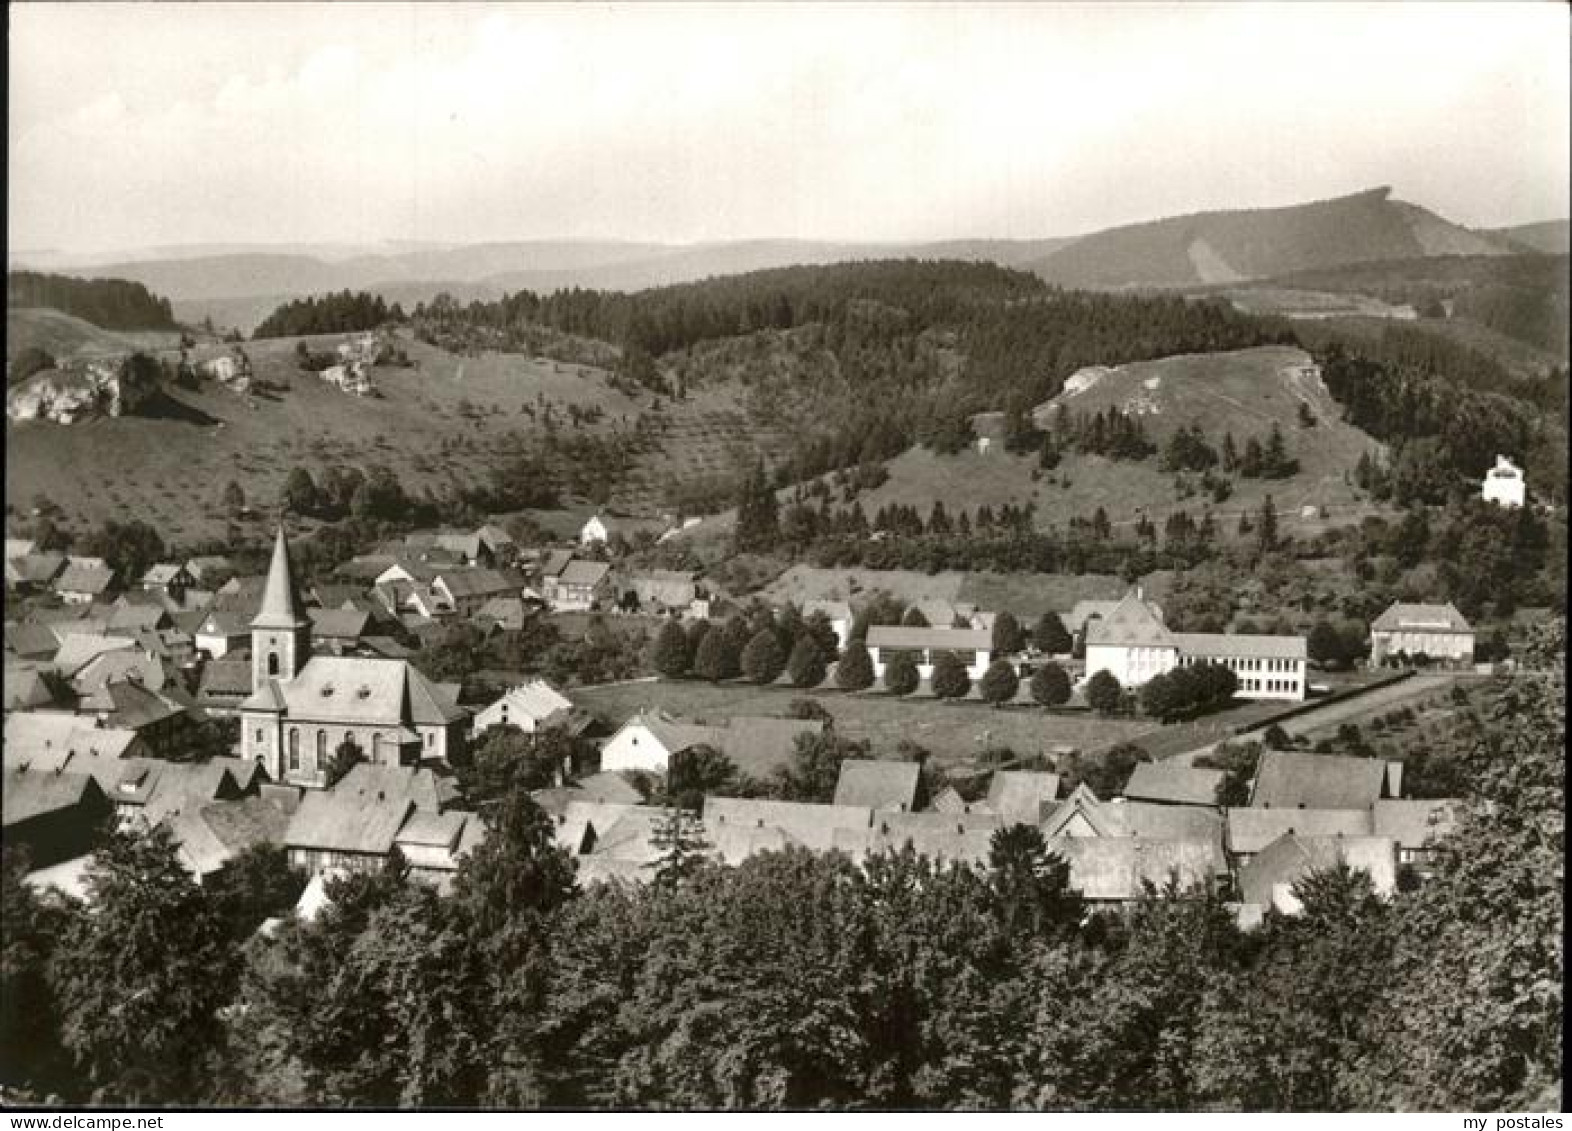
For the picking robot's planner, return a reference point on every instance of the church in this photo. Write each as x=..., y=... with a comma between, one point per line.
x=302, y=707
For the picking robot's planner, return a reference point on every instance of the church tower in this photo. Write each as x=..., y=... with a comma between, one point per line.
x=281, y=632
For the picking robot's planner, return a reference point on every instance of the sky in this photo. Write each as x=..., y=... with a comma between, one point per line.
x=140, y=125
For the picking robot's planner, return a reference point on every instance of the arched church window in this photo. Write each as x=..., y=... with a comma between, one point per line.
x=321, y=748
x=294, y=749
x=272, y=663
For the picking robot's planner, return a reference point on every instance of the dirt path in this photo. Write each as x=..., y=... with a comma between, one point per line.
x=1349, y=710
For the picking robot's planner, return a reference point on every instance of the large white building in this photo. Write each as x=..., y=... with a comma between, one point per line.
x=1504, y=484
x=303, y=707
x=974, y=646
x=1438, y=632
x=1132, y=644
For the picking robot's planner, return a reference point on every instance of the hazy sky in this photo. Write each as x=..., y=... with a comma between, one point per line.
x=136, y=125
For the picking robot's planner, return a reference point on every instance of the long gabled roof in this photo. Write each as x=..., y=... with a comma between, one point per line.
x=1173, y=783
x=84, y=579
x=35, y=793
x=1207, y=644
x=811, y=825
x=879, y=785
x=1291, y=780
x=1117, y=868
x=1251, y=830
x=356, y=689
x=957, y=639
x=1022, y=795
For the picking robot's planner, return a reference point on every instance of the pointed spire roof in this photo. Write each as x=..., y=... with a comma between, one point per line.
x=281, y=603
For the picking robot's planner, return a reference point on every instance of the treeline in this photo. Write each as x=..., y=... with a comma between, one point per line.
x=662, y=320
x=803, y=981
x=1443, y=437
x=339, y=313
x=114, y=304
x=1483, y=558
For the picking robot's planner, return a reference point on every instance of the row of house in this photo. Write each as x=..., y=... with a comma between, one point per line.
x=1114, y=848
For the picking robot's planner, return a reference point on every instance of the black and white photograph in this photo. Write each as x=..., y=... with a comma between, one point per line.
x=785, y=557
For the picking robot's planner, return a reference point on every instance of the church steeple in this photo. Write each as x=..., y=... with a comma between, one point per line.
x=281, y=603
x=281, y=631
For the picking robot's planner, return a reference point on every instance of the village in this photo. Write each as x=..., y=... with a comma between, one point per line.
x=241, y=711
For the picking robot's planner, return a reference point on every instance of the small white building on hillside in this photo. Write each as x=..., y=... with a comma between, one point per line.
x=1504, y=484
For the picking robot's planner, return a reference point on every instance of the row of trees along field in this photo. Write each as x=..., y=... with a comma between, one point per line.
x=114, y=304
x=804, y=981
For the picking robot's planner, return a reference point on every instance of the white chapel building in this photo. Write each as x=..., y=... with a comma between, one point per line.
x=1504, y=484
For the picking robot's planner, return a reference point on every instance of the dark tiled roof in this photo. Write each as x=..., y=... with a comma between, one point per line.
x=1289, y=780
x=878, y=785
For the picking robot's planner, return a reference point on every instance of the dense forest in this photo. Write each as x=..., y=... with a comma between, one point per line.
x=339, y=313
x=113, y=304
x=804, y=981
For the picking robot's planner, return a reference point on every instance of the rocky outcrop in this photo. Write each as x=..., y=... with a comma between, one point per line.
x=95, y=388
x=356, y=357
x=233, y=371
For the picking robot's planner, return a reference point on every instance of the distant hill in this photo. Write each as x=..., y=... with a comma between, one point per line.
x=1233, y=246
x=1552, y=237
x=240, y=287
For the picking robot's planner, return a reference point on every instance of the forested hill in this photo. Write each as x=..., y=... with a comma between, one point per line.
x=1231, y=246
x=857, y=362
x=111, y=304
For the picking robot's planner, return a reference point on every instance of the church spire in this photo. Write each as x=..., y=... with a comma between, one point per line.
x=281, y=604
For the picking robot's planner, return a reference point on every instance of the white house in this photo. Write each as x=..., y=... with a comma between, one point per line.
x=221, y=633
x=973, y=645
x=756, y=745
x=527, y=706
x=593, y=531
x=1504, y=484
x=1132, y=644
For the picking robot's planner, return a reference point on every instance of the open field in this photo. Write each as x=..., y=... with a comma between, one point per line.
x=445, y=421
x=1243, y=393
x=442, y=423
x=953, y=732
x=65, y=337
